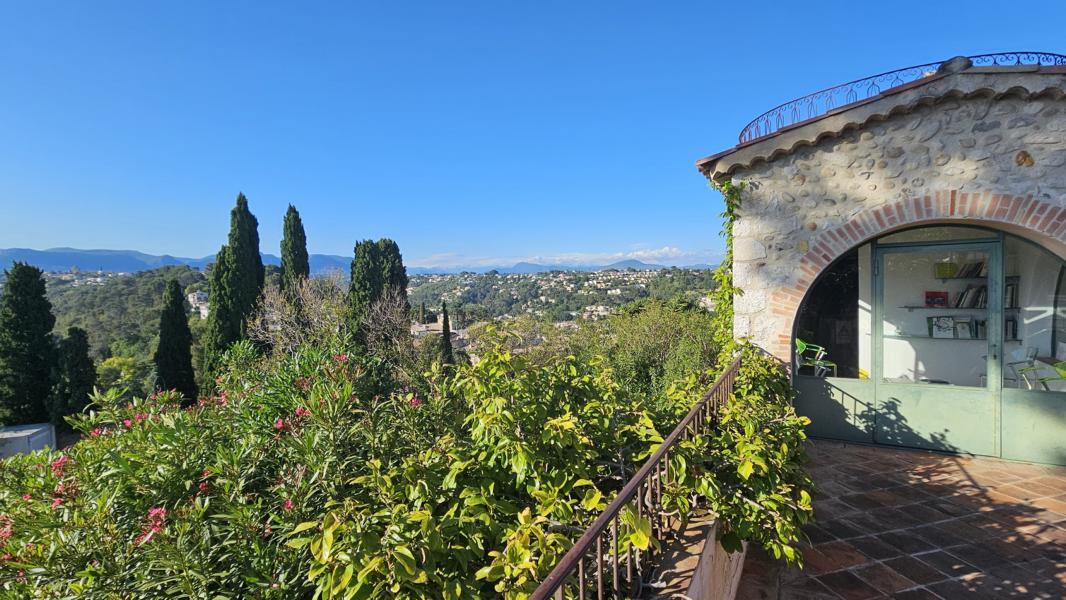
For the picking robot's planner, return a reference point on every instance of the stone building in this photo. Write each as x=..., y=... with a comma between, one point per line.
x=911, y=227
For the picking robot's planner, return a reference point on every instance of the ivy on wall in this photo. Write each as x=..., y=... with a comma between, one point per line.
x=723, y=295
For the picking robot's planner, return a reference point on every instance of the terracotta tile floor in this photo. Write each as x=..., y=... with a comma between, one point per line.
x=912, y=524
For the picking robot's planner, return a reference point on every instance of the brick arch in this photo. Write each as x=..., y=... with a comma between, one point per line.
x=1036, y=220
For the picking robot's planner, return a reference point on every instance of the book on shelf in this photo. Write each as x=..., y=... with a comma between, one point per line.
x=936, y=299
x=974, y=296
x=1010, y=295
x=942, y=327
x=967, y=271
x=964, y=328
x=946, y=270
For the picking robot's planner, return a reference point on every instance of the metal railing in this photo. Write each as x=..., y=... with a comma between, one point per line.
x=598, y=565
x=821, y=102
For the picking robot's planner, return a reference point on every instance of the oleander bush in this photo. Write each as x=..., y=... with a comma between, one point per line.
x=306, y=476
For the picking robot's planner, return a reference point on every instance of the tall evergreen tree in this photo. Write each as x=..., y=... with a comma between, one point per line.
x=447, y=357
x=236, y=284
x=294, y=261
x=366, y=286
x=27, y=353
x=393, y=273
x=220, y=324
x=422, y=313
x=77, y=375
x=173, y=355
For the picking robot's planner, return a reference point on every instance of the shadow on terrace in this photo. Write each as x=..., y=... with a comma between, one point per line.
x=922, y=524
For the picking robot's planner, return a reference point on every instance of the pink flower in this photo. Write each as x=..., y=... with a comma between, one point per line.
x=140, y=417
x=128, y=423
x=5, y=529
x=6, y=556
x=57, y=465
x=57, y=502
x=95, y=432
x=27, y=497
x=340, y=358
x=154, y=523
x=206, y=473
x=287, y=505
x=279, y=424
x=415, y=401
x=203, y=488
x=302, y=412
x=61, y=488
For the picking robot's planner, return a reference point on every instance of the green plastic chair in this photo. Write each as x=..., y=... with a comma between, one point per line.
x=813, y=356
x=1060, y=375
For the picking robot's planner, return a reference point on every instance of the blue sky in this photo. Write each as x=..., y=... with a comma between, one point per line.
x=472, y=133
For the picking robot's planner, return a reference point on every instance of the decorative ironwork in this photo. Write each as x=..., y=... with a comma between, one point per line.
x=598, y=565
x=821, y=102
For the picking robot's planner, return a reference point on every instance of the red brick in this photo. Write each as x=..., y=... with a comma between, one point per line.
x=1049, y=219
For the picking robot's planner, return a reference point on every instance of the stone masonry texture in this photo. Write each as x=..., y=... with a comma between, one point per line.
x=983, y=146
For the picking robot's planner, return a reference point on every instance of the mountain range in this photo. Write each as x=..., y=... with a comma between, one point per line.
x=130, y=261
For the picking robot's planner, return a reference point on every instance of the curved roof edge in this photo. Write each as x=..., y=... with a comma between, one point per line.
x=1027, y=81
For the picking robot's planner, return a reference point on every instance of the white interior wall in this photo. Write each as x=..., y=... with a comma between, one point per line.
x=913, y=355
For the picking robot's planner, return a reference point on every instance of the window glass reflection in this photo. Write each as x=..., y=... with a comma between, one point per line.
x=1034, y=327
x=935, y=310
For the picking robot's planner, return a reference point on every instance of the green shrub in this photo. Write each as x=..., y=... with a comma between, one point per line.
x=301, y=479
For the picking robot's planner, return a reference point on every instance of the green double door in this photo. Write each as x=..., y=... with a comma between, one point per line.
x=937, y=346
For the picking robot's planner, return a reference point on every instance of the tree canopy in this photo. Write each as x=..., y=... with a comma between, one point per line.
x=27, y=353
x=173, y=355
x=294, y=260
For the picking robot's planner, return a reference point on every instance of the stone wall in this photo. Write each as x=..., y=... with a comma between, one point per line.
x=996, y=158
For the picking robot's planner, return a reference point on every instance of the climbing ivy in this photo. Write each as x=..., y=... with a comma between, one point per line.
x=725, y=292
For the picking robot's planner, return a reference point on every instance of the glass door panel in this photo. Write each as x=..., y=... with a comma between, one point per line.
x=938, y=322
x=935, y=317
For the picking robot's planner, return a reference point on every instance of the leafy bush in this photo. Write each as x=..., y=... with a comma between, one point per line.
x=298, y=480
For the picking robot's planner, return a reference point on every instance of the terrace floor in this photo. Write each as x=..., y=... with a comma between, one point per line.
x=913, y=524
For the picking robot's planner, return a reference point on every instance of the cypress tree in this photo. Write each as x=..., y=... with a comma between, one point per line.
x=294, y=261
x=246, y=273
x=236, y=284
x=220, y=331
x=446, y=355
x=393, y=273
x=422, y=313
x=173, y=355
x=366, y=286
x=27, y=354
x=77, y=375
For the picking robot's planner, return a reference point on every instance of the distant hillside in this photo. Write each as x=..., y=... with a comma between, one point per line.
x=121, y=315
x=131, y=261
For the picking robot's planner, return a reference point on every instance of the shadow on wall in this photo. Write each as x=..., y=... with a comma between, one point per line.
x=838, y=411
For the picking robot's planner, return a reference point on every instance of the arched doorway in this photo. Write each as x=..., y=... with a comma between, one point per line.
x=946, y=337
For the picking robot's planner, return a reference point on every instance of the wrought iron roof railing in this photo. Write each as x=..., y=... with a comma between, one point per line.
x=600, y=565
x=819, y=103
